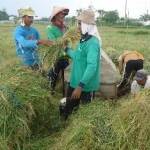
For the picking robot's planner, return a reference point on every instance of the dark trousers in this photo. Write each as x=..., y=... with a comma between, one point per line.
x=131, y=67
x=53, y=73
x=73, y=104
x=35, y=67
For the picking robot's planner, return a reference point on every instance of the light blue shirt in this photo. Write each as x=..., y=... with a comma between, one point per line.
x=26, y=44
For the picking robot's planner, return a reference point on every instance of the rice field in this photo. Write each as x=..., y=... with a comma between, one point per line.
x=29, y=118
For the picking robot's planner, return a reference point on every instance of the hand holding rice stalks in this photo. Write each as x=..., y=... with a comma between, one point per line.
x=71, y=37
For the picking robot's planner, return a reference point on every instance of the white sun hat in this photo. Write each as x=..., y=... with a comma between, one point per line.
x=87, y=16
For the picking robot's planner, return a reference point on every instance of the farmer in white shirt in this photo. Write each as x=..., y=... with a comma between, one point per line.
x=142, y=80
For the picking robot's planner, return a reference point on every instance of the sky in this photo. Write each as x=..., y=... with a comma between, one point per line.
x=43, y=8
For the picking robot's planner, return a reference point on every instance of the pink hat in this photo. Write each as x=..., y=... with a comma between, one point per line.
x=57, y=10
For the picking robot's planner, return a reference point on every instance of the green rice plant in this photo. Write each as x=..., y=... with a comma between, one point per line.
x=131, y=123
x=14, y=119
x=32, y=89
x=96, y=126
x=140, y=32
x=3, y=143
x=71, y=37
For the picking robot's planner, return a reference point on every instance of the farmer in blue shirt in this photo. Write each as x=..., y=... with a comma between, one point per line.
x=27, y=40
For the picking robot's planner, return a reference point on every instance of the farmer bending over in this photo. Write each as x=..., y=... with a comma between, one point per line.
x=142, y=80
x=129, y=63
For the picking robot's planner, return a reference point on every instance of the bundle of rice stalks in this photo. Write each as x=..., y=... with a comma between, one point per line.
x=14, y=119
x=71, y=37
x=32, y=89
x=88, y=129
x=132, y=124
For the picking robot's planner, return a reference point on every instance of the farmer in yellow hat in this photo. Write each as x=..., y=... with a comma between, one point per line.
x=54, y=31
x=27, y=39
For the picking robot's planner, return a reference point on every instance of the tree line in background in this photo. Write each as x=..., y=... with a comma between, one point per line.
x=112, y=18
x=4, y=15
x=103, y=18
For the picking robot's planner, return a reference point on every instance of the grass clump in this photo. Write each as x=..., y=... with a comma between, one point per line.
x=89, y=128
x=131, y=123
x=138, y=32
x=27, y=108
x=103, y=125
x=14, y=119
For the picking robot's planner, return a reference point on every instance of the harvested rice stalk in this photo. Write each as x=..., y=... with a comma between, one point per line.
x=71, y=37
x=132, y=124
x=3, y=144
x=14, y=119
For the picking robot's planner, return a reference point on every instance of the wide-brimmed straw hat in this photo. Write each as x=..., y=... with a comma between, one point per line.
x=87, y=16
x=26, y=12
x=56, y=10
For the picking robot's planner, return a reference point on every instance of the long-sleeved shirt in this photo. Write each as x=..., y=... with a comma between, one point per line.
x=54, y=33
x=26, y=44
x=86, y=65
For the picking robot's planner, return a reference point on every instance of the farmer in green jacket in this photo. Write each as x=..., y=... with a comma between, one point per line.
x=54, y=31
x=85, y=71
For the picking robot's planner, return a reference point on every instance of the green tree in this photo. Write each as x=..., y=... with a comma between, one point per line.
x=3, y=15
x=101, y=13
x=111, y=17
x=145, y=17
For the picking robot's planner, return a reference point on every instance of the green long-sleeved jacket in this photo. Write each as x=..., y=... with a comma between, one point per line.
x=53, y=32
x=86, y=65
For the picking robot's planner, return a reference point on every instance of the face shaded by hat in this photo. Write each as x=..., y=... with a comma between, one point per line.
x=57, y=10
x=140, y=75
x=27, y=16
x=87, y=16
